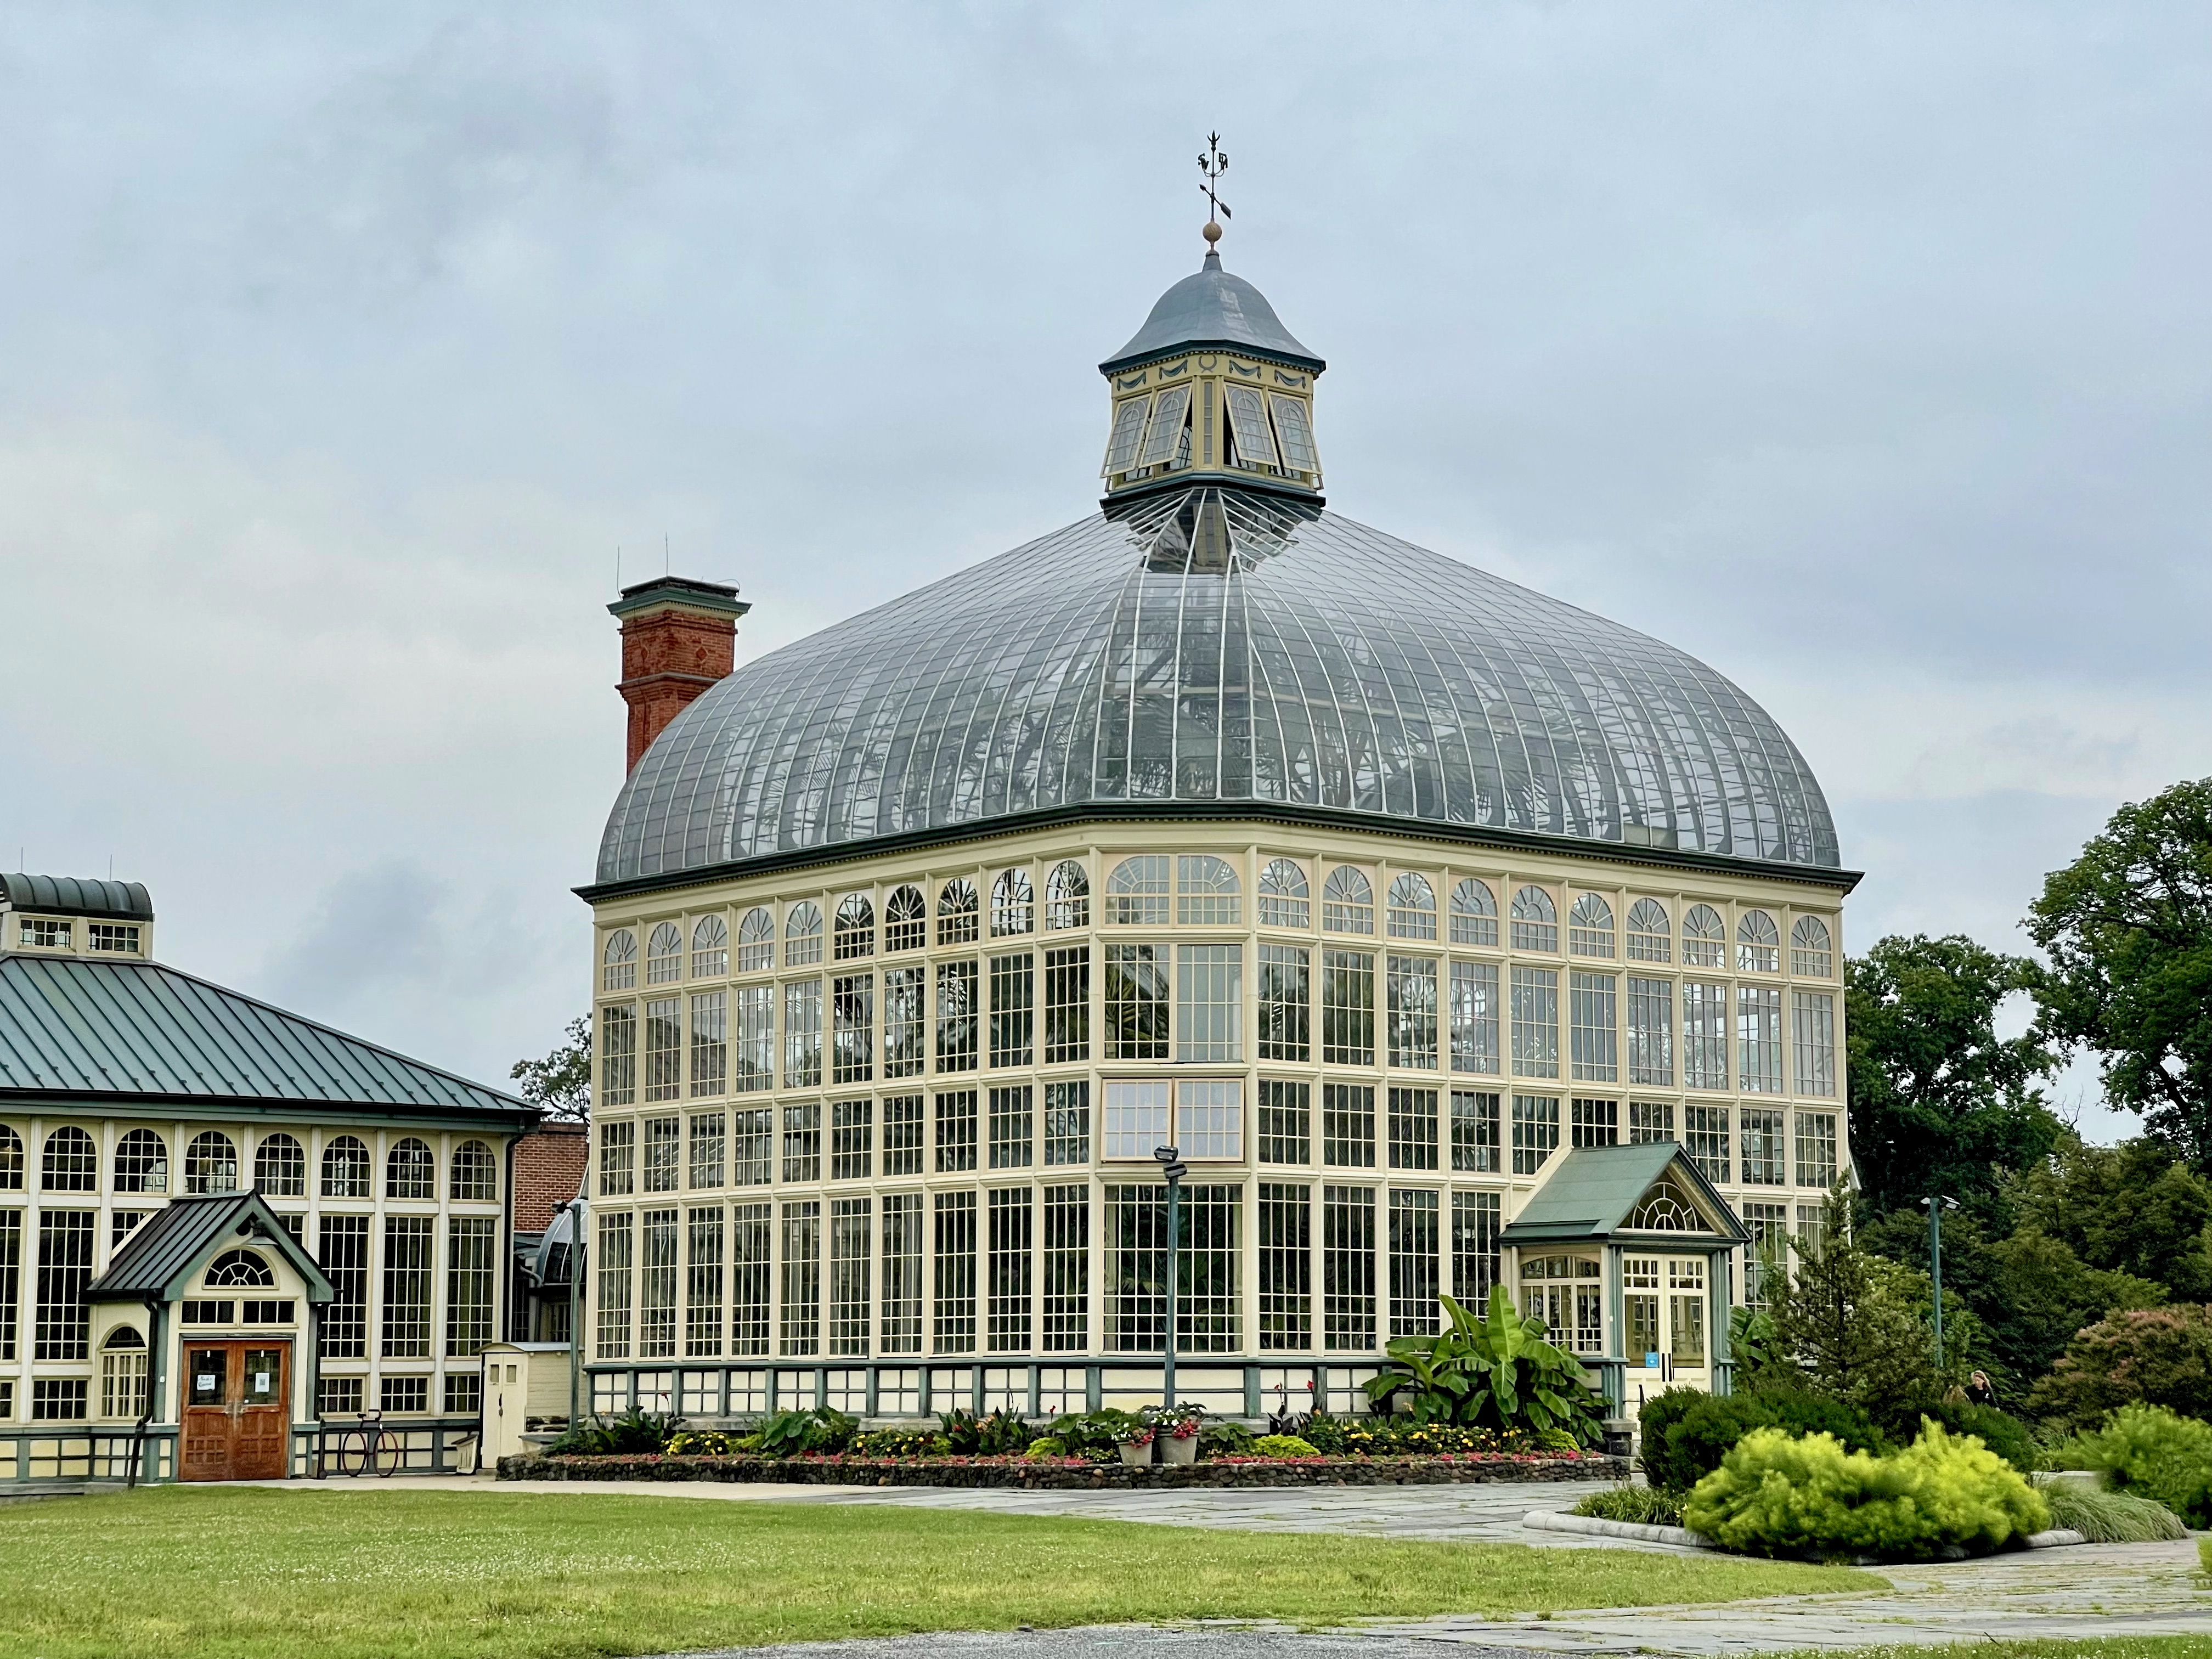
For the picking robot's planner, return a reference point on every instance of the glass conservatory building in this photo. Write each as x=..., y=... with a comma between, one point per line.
x=1456, y=936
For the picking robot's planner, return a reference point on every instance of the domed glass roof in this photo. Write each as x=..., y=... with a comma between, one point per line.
x=1209, y=646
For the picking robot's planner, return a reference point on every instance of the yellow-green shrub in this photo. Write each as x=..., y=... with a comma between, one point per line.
x=1776, y=1492
x=1283, y=1445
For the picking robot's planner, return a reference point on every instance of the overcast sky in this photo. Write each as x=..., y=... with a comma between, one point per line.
x=1860, y=350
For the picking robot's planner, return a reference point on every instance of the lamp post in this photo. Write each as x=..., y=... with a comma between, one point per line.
x=1936, y=1207
x=1173, y=1166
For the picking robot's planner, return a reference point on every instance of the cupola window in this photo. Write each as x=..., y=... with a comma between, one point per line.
x=1297, y=434
x=1248, y=420
x=1165, y=442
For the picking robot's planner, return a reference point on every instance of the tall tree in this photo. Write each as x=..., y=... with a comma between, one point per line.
x=1851, y=1320
x=560, y=1085
x=2128, y=928
x=2134, y=1209
x=1940, y=1103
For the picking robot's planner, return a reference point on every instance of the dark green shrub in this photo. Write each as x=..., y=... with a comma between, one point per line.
x=2159, y=1454
x=1095, y=1435
x=1222, y=1439
x=1000, y=1435
x=1490, y=1371
x=2158, y=1355
x=1325, y=1433
x=1685, y=1433
x=634, y=1434
x=897, y=1442
x=2002, y=1432
x=1647, y=1506
x=795, y=1433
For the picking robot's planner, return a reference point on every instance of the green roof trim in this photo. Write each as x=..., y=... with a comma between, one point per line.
x=77, y=895
x=173, y=1246
x=84, y=1033
x=1592, y=1190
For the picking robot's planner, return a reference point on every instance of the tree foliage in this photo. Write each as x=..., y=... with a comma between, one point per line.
x=1939, y=1102
x=2162, y=1356
x=2128, y=928
x=560, y=1085
x=2134, y=1209
x=1852, y=1321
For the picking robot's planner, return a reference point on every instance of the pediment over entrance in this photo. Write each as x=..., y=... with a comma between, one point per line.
x=1648, y=1190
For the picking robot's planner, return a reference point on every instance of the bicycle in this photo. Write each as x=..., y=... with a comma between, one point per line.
x=371, y=1448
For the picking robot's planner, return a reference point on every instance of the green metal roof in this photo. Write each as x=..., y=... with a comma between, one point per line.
x=118, y=1031
x=1592, y=1188
x=174, y=1244
x=77, y=895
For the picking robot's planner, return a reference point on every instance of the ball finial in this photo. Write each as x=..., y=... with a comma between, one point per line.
x=1211, y=233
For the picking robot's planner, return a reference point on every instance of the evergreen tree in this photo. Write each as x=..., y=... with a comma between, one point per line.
x=1850, y=1320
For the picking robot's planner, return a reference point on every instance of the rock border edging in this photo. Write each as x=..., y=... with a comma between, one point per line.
x=1070, y=1477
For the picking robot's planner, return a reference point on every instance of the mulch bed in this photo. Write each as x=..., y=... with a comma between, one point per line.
x=1069, y=1474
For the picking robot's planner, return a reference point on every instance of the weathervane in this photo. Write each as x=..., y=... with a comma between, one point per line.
x=1213, y=163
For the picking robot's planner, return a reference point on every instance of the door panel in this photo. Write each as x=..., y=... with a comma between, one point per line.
x=263, y=1413
x=210, y=1389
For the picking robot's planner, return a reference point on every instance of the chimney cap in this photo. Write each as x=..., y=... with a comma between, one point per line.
x=719, y=597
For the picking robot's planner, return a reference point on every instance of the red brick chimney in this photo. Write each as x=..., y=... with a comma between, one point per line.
x=678, y=637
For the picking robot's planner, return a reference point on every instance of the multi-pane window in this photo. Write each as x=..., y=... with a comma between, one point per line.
x=664, y=1154
x=1137, y=891
x=1284, y=899
x=1285, y=1003
x=1535, y=920
x=851, y=1140
x=751, y=1277
x=1590, y=926
x=853, y=1028
x=410, y=1169
x=901, y=1330
x=11, y=1281
x=752, y=1147
x=617, y=1159
x=1413, y=909
x=1136, y=1246
x=1014, y=1010
x=1347, y=1007
x=1210, y=1117
x=956, y=1131
x=1413, y=1128
x=618, y=1054
x=1761, y=1137
x=710, y=1042
x=756, y=942
x=65, y=1320
x=954, y=1246
x=854, y=935
x=343, y=1258
x=1651, y=1032
x=755, y=1039
x=618, y=962
x=1769, y=1251
x=408, y=1242
x=1758, y=944
x=1284, y=1221
x=1476, y=1223
x=800, y=1329
x=1474, y=913
x=1593, y=1122
x=1006, y=1283
x=1474, y=1018
x=1136, y=1119
x=1347, y=902
x=906, y=1022
x=142, y=1162
x=1705, y=937
x=1650, y=1120
x=1651, y=936
x=656, y=1284
x=211, y=1163
x=1064, y=1270
x=1209, y=1002
x=802, y=1034
x=1347, y=1125
x=1067, y=1123
x=710, y=1149
x=1705, y=1036
x=1816, y=1149
x=119, y=937
x=1536, y=1131
x=702, y=1285
x=710, y=948
x=1705, y=1138
x=123, y=1390
x=904, y=1130
x=1410, y=1004
x=1347, y=1268
x=1066, y=1003
x=1068, y=897
x=956, y=1016
x=802, y=934
x=1413, y=1262
x=1136, y=1268
x=279, y=1167
x=802, y=1140
x=959, y=912
x=663, y=955
x=1592, y=1035
x=1535, y=1022
x=1758, y=1039
x=1207, y=892
x=906, y=920
x=1013, y=1128
x=70, y=1163
x=1285, y=1122
x=1811, y=952
x=11, y=1160
x=1474, y=1140
x=1136, y=1003
x=1814, y=1019
x=850, y=1225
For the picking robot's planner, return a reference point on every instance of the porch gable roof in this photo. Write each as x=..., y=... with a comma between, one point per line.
x=1593, y=1189
x=161, y=1259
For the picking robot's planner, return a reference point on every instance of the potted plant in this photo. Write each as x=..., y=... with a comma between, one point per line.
x=1177, y=1429
x=1135, y=1438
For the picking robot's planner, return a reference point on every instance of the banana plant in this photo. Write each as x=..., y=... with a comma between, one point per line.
x=1493, y=1370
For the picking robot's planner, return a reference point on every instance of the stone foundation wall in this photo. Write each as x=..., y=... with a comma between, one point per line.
x=1059, y=1476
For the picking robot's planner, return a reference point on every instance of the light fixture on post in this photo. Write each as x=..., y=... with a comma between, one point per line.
x=1936, y=1207
x=1173, y=1166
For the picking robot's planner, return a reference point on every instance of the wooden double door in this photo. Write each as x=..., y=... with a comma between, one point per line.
x=237, y=1410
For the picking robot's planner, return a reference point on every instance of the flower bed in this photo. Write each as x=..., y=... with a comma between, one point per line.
x=1075, y=1474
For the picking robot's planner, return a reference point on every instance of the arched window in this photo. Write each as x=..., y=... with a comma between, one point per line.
x=345, y=1169
x=1068, y=895
x=142, y=1162
x=1590, y=926
x=1705, y=937
x=411, y=1171
x=1413, y=907
x=710, y=948
x=1474, y=913
x=211, y=1164
x=70, y=1163
x=279, y=1167
x=1665, y=1209
x=755, y=941
x=959, y=912
x=1013, y=904
x=663, y=955
x=1285, y=901
x=123, y=1373
x=1758, y=944
x=1347, y=902
x=618, y=962
x=1137, y=891
x=906, y=920
x=1810, y=952
x=1649, y=937
x=239, y=1270
x=11, y=1160
x=474, y=1177
x=802, y=934
x=1535, y=920
x=1207, y=892
x=856, y=927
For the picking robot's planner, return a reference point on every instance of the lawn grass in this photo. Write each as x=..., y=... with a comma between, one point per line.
x=324, y=1575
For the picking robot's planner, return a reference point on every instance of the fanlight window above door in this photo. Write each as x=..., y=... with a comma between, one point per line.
x=1667, y=1209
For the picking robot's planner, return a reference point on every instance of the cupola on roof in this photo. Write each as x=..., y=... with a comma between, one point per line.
x=1213, y=308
